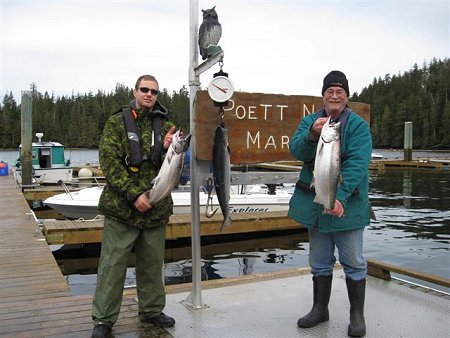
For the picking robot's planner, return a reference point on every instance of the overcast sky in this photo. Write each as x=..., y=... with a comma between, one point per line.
x=280, y=47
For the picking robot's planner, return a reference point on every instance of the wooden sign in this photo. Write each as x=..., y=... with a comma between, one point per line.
x=259, y=125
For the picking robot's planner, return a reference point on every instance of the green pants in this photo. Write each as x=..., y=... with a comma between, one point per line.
x=118, y=241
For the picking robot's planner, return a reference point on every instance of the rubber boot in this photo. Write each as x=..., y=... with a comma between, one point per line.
x=356, y=294
x=319, y=311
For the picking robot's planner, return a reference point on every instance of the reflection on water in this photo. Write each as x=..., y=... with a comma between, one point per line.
x=412, y=230
x=224, y=257
x=413, y=220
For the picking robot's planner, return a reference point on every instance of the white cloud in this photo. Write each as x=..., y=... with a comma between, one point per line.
x=270, y=46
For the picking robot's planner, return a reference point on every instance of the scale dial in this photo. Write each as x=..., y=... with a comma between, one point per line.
x=220, y=89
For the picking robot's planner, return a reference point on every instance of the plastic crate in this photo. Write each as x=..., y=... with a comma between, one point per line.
x=3, y=169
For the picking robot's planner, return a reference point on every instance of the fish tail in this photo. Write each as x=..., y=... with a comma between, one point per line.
x=226, y=222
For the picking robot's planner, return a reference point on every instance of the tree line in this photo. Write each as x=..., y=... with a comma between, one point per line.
x=420, y=95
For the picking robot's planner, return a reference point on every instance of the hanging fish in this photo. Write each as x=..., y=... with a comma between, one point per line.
x=222, y=172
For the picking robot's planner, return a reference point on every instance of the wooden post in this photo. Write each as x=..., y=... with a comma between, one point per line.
x=26, y=137
x=407, y=145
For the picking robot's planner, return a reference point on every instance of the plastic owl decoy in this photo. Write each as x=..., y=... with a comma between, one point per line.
x=209, y=33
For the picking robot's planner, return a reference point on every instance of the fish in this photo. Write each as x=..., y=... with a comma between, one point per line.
x=327, y=164
x=171, y=168
x=222, y=172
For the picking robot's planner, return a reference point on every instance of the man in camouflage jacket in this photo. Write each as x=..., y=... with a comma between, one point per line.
x=130, y=221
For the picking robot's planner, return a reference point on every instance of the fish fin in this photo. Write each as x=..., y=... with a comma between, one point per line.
x=319, y=149
x=340, y=179
x=226, y=222
x=169, y=155
x=316, y=199
x=155, y=180
x=312, y=183
x=149, y=195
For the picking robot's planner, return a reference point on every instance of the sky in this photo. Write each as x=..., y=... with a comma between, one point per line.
x=276, y=47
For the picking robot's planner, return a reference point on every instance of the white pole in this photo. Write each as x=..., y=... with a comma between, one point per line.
x=195, y=297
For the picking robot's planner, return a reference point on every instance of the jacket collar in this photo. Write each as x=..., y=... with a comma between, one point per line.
x=158, y=108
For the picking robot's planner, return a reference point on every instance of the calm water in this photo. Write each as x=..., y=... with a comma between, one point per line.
x=412, y=230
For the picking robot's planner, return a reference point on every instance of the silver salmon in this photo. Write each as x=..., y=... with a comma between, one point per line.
x=170, y=171
x=327, y=165
x=221, y=172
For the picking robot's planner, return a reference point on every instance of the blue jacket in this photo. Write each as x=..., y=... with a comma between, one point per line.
x=356, y=150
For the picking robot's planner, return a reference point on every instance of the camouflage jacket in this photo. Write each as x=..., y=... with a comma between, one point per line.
x=122, y=186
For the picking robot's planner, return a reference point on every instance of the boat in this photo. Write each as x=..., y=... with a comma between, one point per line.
x=83, y=204
x=377, y=156
x=48, y=165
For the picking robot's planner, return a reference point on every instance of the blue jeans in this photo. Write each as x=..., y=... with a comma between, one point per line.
x=350, y=248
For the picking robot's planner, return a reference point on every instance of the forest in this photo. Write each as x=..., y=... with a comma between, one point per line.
x=420, y=95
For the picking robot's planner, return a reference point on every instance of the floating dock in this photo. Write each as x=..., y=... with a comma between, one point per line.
x=416, y=164
x=35, y=300
x=382, y=164
x=91, y=231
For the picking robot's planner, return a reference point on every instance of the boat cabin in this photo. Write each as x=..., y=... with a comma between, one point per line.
x=46, y=155
x=48, y=163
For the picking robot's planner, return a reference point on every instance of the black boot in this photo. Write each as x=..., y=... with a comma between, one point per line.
x=101, y=331
x=160, y=320
x=319, y=311
x=356, y=294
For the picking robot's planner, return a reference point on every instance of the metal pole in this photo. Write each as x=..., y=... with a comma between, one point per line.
x=26, y=137
x=195, y=298
x=407, y=144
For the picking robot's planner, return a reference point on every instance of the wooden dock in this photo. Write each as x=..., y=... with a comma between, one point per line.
x=383, y=164
x=91, y=231
x=35, y=300
x=416, y=164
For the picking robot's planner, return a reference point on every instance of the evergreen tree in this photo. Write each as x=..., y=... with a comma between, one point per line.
x=420, y=95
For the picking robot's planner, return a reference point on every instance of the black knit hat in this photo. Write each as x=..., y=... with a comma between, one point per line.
x=337, y=79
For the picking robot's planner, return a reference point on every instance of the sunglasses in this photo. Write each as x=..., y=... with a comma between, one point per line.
x=145, y=90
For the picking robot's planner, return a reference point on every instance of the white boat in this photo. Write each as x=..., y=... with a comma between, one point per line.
x=48, y=165
x=83, y=203
x=377, y=156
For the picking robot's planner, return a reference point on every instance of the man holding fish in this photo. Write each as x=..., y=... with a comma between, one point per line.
x=131, y=153
x=331, y=198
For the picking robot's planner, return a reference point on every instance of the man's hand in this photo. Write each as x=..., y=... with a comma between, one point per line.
x=338, y=210
x=316, y=128
x=168, y=137
x=142, y=204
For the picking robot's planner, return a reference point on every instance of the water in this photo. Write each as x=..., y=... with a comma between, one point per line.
x=412, y=231
x=413, y=220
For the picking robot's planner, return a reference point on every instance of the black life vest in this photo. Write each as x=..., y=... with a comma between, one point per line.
x=136, y=158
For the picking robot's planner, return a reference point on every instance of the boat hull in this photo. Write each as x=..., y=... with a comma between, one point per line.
x=47, y=176
x=83, y=203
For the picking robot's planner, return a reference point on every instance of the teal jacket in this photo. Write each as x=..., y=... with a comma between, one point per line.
x=356, y=151
x=123, y=187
